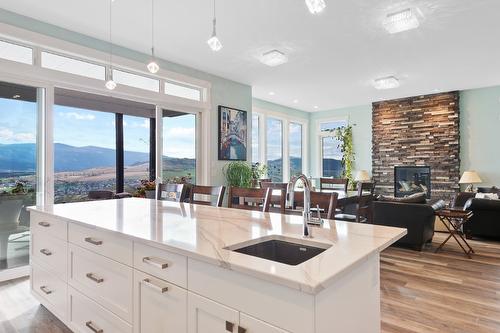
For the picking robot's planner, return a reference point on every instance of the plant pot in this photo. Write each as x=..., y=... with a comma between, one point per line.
x=150, y=194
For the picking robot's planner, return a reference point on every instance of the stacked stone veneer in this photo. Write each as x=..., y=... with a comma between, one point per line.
x=415, y=131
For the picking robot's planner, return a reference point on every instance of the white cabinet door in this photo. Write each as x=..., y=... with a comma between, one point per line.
x=159, y=307
x=206, y=316
x=251, y=325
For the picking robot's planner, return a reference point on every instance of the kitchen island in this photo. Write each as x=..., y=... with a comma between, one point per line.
x=147, y=266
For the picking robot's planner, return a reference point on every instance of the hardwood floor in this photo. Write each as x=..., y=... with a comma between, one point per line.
x=422, y=292
x=443, y=292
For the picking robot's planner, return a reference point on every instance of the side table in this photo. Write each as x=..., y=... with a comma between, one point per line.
x=453, y=220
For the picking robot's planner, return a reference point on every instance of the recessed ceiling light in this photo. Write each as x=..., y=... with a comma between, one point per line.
x=16, y=96
x=315, y=6
x=273, y=58
x=316, y=107
x=389, y=82
x=295, y=101
x=401, y=21
x=271, y=93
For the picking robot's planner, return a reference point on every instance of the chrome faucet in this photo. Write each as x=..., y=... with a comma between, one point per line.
x=306, y=232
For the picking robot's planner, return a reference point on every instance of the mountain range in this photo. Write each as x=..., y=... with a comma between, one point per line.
x=21, y=158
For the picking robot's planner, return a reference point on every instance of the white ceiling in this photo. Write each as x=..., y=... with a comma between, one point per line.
x=333, y=57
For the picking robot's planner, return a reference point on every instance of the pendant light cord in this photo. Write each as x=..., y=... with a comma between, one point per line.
x=153, y=28
x=110, y=34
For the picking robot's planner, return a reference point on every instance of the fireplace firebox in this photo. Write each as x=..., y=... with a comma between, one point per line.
x=412, y=179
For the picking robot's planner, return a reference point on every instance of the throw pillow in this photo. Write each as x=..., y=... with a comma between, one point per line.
x=418, y=198
x=490, y=196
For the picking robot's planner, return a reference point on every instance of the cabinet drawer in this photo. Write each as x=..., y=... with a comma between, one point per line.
x=86, y=316
x=159, y=307
x=106, y=281
x=165, y=265
x=104, y=243
x=51, y=251
x=49, y=225
x=50, y=288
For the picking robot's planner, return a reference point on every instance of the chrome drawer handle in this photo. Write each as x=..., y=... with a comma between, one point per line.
x=44, y=224
x=155, y=262
x=93, y=328
x=46, y=252
x=154, y=286
x=95, y=278
x=46, y=290
x=93, y=241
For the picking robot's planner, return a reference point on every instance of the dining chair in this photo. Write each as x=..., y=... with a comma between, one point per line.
x=281, y=201
x=249, y=198
x=100, y=195
x=364, y=211
x=364, y=187
x=326, y=202
x=333, y=183
x=172, y=192
x=264, y=180
x=215, y=192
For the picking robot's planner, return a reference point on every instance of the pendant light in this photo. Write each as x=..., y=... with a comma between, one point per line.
x=110, y=83
x=153, y=66
x=315, y=6
x=213, y=41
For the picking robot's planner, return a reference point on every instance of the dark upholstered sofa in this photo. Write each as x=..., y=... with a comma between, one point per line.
x=486, y=219
x=417, y=217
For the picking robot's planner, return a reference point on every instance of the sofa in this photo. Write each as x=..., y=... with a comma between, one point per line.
x=413, y=213
x=486, y=219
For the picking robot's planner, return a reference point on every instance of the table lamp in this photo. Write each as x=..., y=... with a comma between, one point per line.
x=470, y=177
x=362, y=176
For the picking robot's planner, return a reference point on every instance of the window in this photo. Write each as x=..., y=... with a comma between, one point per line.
x=14, y=52
x=84, y=152
x=73, y=66
x=178, y=90
x=136, y=81
x=136, y=151
x=275, y=149
x=330, y=149
x=179, y=146
x=255, y=138
x=18, y=171
x=295, y=148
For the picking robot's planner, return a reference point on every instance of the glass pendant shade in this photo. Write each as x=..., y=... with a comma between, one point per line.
x=214, y=43
x=315, y=6
x=110, y=84
x=153, y=67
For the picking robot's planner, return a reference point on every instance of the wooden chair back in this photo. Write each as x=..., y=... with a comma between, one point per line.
x=283, y=188
x=172, y=192
x=364, y=212
x=264, y=180
x=327, y=202
x=333, y=183
x=100, y=195
x=364, y=187
x=216, y=192
x=260, y=198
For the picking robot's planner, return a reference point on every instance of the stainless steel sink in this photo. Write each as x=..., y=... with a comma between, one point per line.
x=281, y=249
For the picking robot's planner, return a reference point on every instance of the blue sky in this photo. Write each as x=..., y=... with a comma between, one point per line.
x=79, y=127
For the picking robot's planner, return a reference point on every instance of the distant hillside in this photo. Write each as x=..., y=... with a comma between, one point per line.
x=69, y=158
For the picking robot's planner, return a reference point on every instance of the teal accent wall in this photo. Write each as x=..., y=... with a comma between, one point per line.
x=479, y=133
x=224, y=91
x=259, y=103
x=360, y=117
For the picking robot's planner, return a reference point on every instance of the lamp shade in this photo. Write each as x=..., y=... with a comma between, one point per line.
x=470, y=177
x=362, y=176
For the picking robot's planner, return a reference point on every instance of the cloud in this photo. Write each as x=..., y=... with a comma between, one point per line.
x=180, y=133
x=8, y=135
x=144, y=124
x=77, y=116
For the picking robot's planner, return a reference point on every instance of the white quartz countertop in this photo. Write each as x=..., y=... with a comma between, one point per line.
x=203, y=233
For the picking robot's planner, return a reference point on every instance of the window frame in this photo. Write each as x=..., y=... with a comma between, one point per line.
x=286, y=120
x=322, y=135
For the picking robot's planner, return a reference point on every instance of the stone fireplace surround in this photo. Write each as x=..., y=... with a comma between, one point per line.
x=418, y=131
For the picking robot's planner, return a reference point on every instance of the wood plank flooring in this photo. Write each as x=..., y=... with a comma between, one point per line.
x=422, y=292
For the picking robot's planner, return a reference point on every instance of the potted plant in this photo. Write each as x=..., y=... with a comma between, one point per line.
x=147, y=189
x=238, y=174
x=258, y=172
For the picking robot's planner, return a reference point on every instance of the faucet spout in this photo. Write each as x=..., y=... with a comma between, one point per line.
x=306, y=232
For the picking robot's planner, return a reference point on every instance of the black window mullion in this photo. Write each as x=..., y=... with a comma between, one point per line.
x=152, y=149
x=119, y=153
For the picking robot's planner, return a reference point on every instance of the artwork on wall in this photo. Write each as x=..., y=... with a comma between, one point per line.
x=232, y=134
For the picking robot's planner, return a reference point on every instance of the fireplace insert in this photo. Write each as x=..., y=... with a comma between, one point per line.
x=412, y=179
